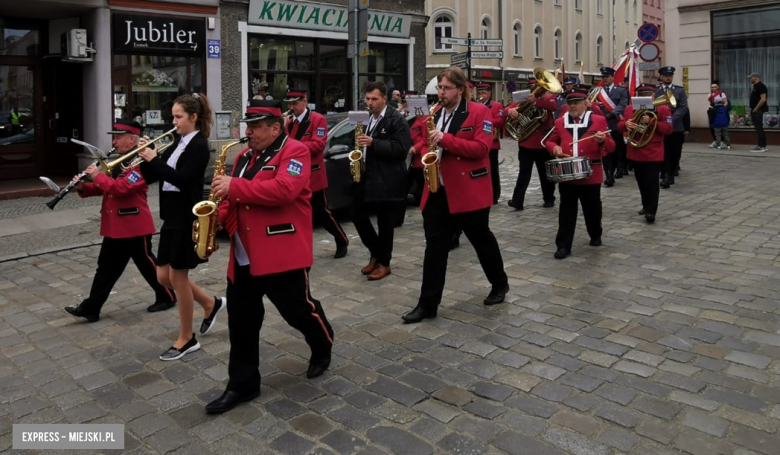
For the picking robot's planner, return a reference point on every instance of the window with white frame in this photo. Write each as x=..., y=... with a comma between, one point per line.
x=557, y=43
x=442, y=28
x=625, y=10
x=578, y=4
x=578, y=47
x=558, y=2
x=599, y=6
x=627, y=45
x=516, y=33
x=633, y=12
x=484, y=31
x=599, y=46
x=538, y=41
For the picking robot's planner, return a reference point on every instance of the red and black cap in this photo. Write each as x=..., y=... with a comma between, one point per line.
x=531, y=82
x=470, y=84
x=484, y=86
x=126, y=126
x=294, y=94
x=262, y=109
x=576, y=94
x=644, y=88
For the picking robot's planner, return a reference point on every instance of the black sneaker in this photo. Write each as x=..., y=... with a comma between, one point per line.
x=176, y=353
x=160, y=306
x=208, y=323
x=80, y=313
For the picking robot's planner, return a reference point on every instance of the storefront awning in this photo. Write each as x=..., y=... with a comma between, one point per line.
x=430, y=89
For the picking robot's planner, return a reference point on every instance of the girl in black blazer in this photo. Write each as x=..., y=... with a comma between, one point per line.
x=180, y=170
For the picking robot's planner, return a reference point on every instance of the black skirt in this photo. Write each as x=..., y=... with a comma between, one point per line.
x=177, y=250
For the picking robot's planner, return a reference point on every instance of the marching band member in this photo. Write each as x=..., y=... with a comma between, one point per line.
x=568, y=84
x=311, y=129
x=574, y=126
x=126, y=225
x=419, y=134
x=484, y=94
x=180, y=171
x=648, y=160
x=673, y=143
x=267, y=214
x=531, y=151
x=464, y=131
x=614, y=100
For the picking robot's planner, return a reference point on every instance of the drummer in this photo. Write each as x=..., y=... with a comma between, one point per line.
x=579, y=133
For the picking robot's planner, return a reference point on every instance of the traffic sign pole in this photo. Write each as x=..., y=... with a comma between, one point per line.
x=468, y=59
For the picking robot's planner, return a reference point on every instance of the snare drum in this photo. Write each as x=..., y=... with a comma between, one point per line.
x=565, y=169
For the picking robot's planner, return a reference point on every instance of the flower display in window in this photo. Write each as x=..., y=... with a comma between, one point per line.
x=154, y=78
x=258, y=85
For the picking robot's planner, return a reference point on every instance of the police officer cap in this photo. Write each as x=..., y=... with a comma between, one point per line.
x=607, y=71
x=666, y=70
x=570, y=80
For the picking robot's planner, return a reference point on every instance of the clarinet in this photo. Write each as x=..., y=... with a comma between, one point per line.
x=81, y=177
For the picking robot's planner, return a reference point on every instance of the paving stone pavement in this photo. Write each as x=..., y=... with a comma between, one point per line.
x=665, y=340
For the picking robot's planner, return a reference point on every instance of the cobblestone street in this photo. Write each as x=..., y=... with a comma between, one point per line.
x=665, y=340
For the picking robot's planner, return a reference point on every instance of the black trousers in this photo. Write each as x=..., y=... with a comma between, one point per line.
x=673, y=144
x=289, y=292
x=495, y=179
x=112, y=260
x=439, y=226
x=590, y=198
x=416, y=177
x=646, y=174
x=758, y=124
x=379, y=241
x=527, y=158
x=321, y=214
x=616, y=160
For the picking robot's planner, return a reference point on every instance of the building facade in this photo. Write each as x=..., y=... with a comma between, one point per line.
x=549, y=33
x=69, y=68
x=725, y=41
x=271, y=46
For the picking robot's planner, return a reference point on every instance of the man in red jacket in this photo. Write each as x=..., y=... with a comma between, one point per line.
x=572, y=137
x=311, y=128
x=649, y=159
x=267, y=214
x=126, y=225
x=484, y=95
x=464, y=134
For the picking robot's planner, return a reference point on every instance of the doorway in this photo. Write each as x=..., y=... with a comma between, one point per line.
x=63, y=115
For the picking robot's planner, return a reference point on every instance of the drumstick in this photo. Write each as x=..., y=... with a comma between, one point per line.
x=591, y=137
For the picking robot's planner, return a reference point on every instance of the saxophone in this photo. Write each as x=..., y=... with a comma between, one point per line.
x=357, y=163
x=204, y=229
x=431, y=159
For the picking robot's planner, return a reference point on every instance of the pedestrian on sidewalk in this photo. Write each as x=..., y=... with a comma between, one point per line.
x=126, y=225
x=719, y=117
x=758, y=107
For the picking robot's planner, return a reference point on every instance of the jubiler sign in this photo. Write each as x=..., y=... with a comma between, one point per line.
x=141, y=34
x=321, y=16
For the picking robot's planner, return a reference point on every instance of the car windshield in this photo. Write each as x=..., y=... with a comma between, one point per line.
x=334, y=119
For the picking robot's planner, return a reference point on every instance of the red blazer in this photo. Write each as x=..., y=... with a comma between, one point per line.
x=124, y=212
x=549, y=104
x=313, y=133
x=594, y=107
x=464, y=162
x=654, y=151
x=497, y=112
x=590, y=148
x=419, y=131
x=271, y=204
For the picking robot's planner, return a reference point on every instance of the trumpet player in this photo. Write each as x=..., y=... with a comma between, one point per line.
x=311, y=129
x=126, y=225
x=464, y=133
x=649, y=159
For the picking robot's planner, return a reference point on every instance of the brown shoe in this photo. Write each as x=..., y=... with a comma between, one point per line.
x=369, y=268
x=380, y=272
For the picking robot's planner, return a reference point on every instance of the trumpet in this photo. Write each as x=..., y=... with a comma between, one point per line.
x=643, y=133
x=133, y=155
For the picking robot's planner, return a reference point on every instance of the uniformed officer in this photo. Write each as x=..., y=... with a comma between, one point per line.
x=673, y=143
x=571, y=137
x=464, y=133
x=568, y=84
x=126, y=225
x=614, y=100
x=267, y=214
x=311, y=129
x=648, y=160
x=484, y=95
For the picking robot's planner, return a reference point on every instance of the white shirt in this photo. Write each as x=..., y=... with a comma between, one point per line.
x=372, y=122
x=174, y=158
x=241, y=256
x=301, y=117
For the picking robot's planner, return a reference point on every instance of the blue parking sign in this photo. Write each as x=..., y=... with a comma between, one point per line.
x=214, y=49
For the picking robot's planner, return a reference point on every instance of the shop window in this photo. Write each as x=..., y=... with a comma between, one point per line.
x=18, y=40
x=17, y=105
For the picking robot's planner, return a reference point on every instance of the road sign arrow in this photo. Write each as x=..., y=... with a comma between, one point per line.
x=495, y=54
x=455, y=41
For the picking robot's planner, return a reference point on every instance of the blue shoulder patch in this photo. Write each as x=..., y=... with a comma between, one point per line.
x=500, y=112
x=487, y=127
x=294, y=168
x=320, y=132
x=669, y=120
x=133, y=177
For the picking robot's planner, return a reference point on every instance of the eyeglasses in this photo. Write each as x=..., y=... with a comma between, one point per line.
x=445, y=88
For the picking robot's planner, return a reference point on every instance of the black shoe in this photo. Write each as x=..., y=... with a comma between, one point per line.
x=548, y=204
x=160, y=306
x=80, y=313
x=496, y=296
x=650, y=218
x=619, y=174
x=676, y=174
x=512, y=204
x=562, y=253
x=665, y=184
x=341, y=251
x=671, y=181
x=228, y=401
x=595, y=242
x=641, y=212
x=625, y=171
x=318, y=365
x=417, y=315
x=455, y=243
x=176, y=353
x=495, y=201
x=208, y=323
x=609, y=183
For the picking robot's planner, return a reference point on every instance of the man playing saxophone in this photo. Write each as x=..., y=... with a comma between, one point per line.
x=464, y=134
x=126, y=225
x=648, y=159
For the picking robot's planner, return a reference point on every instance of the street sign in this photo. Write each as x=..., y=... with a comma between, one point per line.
x=649, y=52
x=487, y=42
x=214, y=48
x=647, y=32
x=457, y=58
x=455, y=41
x=462, y=65
x=496, y=54
x=649, y=66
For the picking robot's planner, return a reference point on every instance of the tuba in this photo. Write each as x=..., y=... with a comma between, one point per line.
x=204, y=229
x=357, y=163
x=431, y=160
x=643, y=133
x=529, y=118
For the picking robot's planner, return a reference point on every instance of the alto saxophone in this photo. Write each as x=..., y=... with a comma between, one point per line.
x=204, y=229
x=431, y=160
x=357, y=164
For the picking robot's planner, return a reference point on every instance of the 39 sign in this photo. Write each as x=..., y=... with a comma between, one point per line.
x=213, y=48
